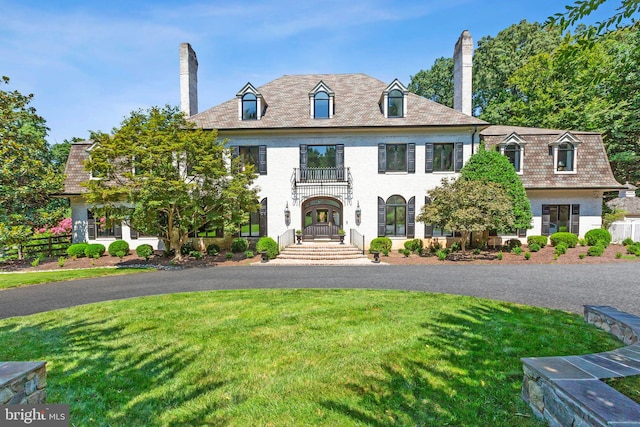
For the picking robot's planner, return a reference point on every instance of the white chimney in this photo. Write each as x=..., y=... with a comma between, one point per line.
x=188, y=80
x=462, y=73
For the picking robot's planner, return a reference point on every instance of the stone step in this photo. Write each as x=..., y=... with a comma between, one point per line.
x=321, y=251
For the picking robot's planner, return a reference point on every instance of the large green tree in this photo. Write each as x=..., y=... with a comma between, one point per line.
x=468, y=206
x=168, y=178
x=625, y=16
x=491, y=166
x=27, y=178
x=435, y=83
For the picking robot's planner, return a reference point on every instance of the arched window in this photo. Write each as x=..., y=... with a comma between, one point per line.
x=249, y=107
x=565, y=157
x=396, y=99
x=512, y=151
x=321, y=105
x=396, y=216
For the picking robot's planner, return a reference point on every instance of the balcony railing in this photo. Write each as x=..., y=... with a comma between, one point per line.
x=320, y=175
x=312, y=182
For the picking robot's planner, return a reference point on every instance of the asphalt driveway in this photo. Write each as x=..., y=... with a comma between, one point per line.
x=565, y=287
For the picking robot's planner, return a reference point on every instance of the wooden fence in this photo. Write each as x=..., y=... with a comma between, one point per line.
x=41, y=246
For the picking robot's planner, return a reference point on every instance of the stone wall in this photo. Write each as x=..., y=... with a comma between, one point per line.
x=23, y=383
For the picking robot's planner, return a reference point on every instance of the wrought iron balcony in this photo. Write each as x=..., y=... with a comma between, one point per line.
x=320, y=175
x=310, y=182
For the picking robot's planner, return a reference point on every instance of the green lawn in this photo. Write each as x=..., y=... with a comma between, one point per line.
x=14, y=280
x=295, y=357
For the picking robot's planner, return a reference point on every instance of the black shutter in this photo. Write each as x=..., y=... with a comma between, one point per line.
x=411, y=218
x=546, y=219
x=411, y=158
x=133, y=233
x=340, y=161
x=303, y=162
x=117, y=230
x=575, y=219
x=382, y=159
x=381, y=217
x=458, y=156
x=428, y=164
x=428, y=228
x=262, y=159
x=91, y=227
x=263, y=217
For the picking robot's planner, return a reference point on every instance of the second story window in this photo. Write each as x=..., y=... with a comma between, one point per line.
x=395, y=103
x=443, y=157
x=321, y=105
x=565, y=157
x=249, y=107
x=512, y=152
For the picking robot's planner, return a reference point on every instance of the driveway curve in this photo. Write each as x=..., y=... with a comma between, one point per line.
x=564, y=287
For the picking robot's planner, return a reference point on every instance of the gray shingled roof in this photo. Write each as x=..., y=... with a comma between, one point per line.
x=356, y=105
x=593, y=169
x=74, y=170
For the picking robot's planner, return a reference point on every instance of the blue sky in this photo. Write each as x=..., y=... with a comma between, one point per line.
x=90, y=63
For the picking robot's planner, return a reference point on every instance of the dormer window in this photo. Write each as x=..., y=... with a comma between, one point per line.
x=249, y=107
x=565, y=153
x=321, y=102
x=393, y=102
x=251, y=104
x=396, y=99
x=513, y=148
x=321, y=106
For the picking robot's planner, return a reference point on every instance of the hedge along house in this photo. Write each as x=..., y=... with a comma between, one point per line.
x=350, y=152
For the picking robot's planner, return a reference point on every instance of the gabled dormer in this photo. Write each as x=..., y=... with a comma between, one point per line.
x=393, y=101
x=251, y=104
x=565, y=153
x=513, y=148
x=321, y=102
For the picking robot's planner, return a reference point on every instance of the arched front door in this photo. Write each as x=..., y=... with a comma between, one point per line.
x=322, y=218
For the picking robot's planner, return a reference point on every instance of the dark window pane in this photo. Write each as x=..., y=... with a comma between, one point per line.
x=321, y=156
x=565, y=157
x=396, y=157
x=321, y=105
x=395, y=104
x=443, y=157
x=249, y=107
x=512, y=151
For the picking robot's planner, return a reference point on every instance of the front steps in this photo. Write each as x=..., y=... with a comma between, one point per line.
x=321, y=251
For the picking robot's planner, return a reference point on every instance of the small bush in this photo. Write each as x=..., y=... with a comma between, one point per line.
x=434, y=247
x=228, y=255
x=581, y=256
x=239, y=244
x=77, y=250
x=534, y=247
x=144, y=251
x=414, y=245
x=582, y=242
x=517, y=250
x=561, y=249
x=477, y=251
x=61, y=261
x=118, y=246
x=195, y=254
x=556, y=256
x=249, y=254
x=527, y=255
x=627, y=242
x=405, y=252
x=187, y=248
x=634, y=249
x=618, y=255
x=514, y=243
x=541, y=241
x=442, y=255
x=213, y=249
x=119, y=254
x=455, y=247
x=593, y=237
x=95, y=250
x=381, y=244
x=268, y=245
x=596, y=250
x=570, y=239
x=499, y=255
x=35, y=262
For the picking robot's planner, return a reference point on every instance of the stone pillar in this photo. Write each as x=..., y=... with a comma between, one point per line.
x=188, y=80
x=462, y=73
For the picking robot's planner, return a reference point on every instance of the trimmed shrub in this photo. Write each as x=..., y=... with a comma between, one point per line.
x=517, y=250
x=118, y=246
x=514, y=243
x=541, y=241
x=618, y=255
x=249, y=254
x=596, y=250
x=627, y=242
x=213, y=249
x=187, y=248
x=534, y=247
x=268, y=245
x=94, y=250
x=561, y=249
x=239, y=245
x=442, y=255
x=598, y=235
x=413, y=245
x=381, y=244
x=77, y=250
x=405, y=252
x=634, y=249
x=144, y=251
x=570, y=239
x=581, y=256
x=527, y=256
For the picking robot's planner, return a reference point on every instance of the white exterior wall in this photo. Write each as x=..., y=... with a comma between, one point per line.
x=590, y=207
x=361, y=156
